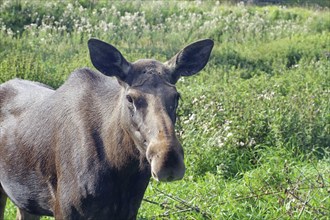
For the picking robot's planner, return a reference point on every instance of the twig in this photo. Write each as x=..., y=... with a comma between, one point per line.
x=238, y=198
x=176, y=212
x=306, y=203
x=155, y=203
x=185, y=203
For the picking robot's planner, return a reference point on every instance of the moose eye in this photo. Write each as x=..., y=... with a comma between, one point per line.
x=129, y=98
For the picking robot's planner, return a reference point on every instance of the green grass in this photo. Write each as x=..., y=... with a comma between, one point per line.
x=254, y=123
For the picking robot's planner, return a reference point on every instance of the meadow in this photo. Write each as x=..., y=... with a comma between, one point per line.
x=254, y=124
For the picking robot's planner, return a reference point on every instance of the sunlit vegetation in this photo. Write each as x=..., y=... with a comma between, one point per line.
x=254, y=123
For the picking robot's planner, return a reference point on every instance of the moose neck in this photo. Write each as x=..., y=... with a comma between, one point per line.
x=113, y=158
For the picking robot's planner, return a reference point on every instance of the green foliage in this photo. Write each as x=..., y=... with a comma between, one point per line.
x=254, y=123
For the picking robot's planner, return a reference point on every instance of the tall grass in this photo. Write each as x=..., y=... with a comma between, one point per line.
x=254, y=123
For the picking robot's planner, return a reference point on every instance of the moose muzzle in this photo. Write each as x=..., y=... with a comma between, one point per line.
x=166, y=160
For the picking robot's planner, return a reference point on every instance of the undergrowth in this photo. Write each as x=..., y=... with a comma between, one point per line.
x=254, y=123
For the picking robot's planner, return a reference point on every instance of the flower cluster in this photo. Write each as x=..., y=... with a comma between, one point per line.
x=236, y=24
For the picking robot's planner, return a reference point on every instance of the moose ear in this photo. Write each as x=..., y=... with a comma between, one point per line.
x=191, y=59
x=107, y=59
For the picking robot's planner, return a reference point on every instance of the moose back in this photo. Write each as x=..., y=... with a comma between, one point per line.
x=88, y=149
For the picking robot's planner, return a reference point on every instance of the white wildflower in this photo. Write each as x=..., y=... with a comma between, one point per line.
x=69, y=7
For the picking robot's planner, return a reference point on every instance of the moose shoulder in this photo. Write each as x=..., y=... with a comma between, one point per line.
x=88, y=149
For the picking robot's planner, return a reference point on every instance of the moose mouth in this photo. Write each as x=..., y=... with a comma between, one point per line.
x=166, y=166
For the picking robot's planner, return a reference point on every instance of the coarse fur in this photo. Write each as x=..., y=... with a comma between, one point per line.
x=88, y=149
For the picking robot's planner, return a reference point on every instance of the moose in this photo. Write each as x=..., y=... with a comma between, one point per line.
x=88, y=149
